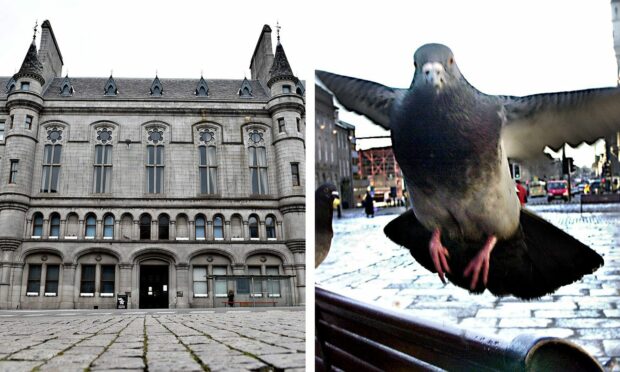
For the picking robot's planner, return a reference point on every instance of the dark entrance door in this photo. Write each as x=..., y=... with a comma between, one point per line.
x=153, y=286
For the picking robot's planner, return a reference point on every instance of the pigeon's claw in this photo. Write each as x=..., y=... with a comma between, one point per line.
x=439, y=255
x=480, y=264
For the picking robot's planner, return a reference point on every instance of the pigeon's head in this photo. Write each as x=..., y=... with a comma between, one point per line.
x=326, y=193
x=434, y=67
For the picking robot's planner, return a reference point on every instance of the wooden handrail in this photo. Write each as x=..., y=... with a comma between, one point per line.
x=351, y=335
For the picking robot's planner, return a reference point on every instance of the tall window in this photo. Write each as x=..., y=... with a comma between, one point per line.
x=2, y=130
x=281, y=125
x=91, y=227
x=164, y=227
x=258, y=169
x=200, y=281
x=55, y=225
x=295, y=174
x=51, y=280
x=145, y=227
x=25, y=86
x=256, y=281
x=87, y=281
x=108, y=226
x=200, y=227
x=220, y=283
x=107, y=279
x=34, y=280
x=28, y=122
x=273, y=285
x=208, y=170
x=155, y=169
x=253, y=226
x=218, y=227
x=13, y=171
x=103, y=168
x=298, y=120
x=37, y=225
x=270, y=226
x=51, y=168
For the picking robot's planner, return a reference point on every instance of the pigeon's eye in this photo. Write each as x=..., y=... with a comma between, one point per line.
x=451, y=61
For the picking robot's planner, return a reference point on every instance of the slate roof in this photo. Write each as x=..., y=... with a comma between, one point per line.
x=139, y=88
x=280, y=69
x=31, y=66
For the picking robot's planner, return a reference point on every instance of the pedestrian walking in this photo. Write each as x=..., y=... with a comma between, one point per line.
x=231, y=298
x=369, y=205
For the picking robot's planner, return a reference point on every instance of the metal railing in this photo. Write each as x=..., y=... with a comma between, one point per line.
x=353, y=336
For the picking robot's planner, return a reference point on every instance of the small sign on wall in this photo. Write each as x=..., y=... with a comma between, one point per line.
x=179, y=293
x=121, y=301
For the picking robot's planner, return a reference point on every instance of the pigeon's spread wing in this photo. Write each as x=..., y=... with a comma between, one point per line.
x=362, y=96
x=552, y=119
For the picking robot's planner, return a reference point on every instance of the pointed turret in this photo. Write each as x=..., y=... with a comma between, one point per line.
x=31, y=67
x=281, y=69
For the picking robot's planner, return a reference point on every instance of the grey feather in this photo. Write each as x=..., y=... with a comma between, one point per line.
x=363, y=97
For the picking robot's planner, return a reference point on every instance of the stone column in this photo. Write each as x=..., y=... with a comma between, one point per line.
x=262, y=232
x=136, y=230
x=28, y=230
x=80, y=233
x=99, y=230
x=183, y=285
x=279, y=231
x=46, y=228
x=124, y=284
x=172, y=230
x=293, y=283
x=16, y=287
x=63, y=224
x=192, y=230
x=227, y=232
x=209, y=232
x=67, y=288
x=154, y=231
x=117, y=230
x=246, y=231
x=5, y=278
x=298, y=248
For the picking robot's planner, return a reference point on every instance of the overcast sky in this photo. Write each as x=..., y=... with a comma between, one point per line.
x=177, y=39
x=502, y=47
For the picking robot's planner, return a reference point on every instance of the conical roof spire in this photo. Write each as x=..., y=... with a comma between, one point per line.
x=281, y=69
x=31, y=67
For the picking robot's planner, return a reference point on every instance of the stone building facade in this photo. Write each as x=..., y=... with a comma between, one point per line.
x=158, y=192
x=336, y=158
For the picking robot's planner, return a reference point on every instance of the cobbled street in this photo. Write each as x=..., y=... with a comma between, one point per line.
x=365, y=265
x=156, y=340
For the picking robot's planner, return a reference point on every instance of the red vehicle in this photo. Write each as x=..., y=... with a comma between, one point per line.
x=557, y=190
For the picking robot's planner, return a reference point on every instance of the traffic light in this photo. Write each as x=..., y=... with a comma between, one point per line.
x=571, y=166
x=567, y=165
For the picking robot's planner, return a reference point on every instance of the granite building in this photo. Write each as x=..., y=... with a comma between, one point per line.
x=156, y=192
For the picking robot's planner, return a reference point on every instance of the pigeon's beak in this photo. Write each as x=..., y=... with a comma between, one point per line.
x=434, y=74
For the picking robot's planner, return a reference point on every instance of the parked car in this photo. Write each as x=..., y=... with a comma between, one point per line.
x=595, y=186
x=557, y=190
x=537, y=188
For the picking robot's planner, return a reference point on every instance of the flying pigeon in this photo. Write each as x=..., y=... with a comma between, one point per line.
x=323, y=215
x=452, y=143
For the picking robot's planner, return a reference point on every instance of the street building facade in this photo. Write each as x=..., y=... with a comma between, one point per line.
x=336, y=158
x=384, y=177
x=151, y=193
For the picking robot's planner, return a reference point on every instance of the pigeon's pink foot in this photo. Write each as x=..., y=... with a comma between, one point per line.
x=439, y=255
x=480, y=264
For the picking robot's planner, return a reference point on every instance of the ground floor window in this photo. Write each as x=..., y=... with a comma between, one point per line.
x=273, y=285
x=51, y=280
x=107, y=280
x=87, y=281
x=221, y=289
x=34, y=280
x=257, y=290
x=200, y=281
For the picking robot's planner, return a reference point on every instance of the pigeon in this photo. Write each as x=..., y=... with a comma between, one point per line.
x=324, y=213
x=452, y=143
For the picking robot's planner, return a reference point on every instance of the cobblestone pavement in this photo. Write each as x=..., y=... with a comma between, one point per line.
x=235, y=340
x=365, y=265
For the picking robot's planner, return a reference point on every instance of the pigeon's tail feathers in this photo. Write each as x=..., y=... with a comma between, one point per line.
x=364, y=97
x=537, y=260
x=406, y=230
x=558, y=258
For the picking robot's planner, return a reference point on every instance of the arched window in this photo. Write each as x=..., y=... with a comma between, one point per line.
x=55, y=225
x=145, y=227
x=270, y=225
x=182, y=228
x=200, y=227
x=236, y=227
x=253, y=226
x=91, y=226
x=218, y=227
x=127, y=227
x=164, y=227
x=108, y=227
x=72, y=226
x=37, y=225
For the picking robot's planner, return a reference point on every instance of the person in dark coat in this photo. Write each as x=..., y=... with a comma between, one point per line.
x=369, y=205
x=231, y=298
